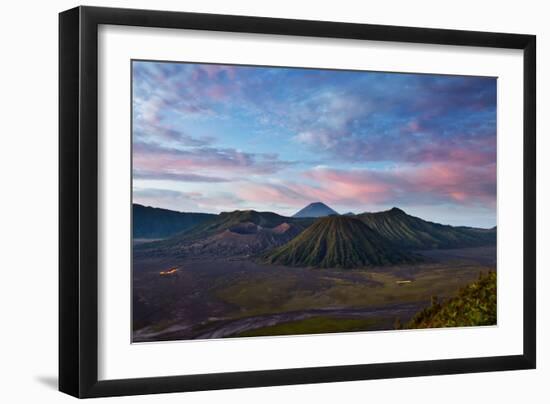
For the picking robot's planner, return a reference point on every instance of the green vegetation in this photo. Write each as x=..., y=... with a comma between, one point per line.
x=365, y=240
x=259, y=295
x=217, y=224
x=412, y=232
x=227, y=220
x=313, y=325
x=285, y=291
x=338, y=242
x=475, y=305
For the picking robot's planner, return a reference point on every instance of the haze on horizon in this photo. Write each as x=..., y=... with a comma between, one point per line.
x=213, y=138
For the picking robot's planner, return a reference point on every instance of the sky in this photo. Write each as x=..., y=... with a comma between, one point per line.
x=213, y=138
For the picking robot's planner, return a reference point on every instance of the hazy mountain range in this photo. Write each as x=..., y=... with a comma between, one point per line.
x=316, y=236
x=151, y=222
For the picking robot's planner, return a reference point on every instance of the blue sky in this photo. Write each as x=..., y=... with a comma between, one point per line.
x=212, y=138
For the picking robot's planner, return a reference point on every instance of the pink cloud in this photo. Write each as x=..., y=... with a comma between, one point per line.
x=463, y=149
x=428, y=184
x=457, y=182
x=224, y=164
x=213, y=71
x=185, y=201
x=218, y=92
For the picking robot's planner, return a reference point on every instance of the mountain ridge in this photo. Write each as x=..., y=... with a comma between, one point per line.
x=412, y=232
x=395, y=234
x=220, y=235
x=151, y=222
x=338, y=242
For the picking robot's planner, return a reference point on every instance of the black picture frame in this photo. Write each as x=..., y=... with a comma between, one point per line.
x=78, y=201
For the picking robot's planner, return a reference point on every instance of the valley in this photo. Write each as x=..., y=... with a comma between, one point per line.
x=211, y=298
x=249, y=273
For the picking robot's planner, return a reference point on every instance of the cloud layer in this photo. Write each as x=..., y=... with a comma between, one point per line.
x=277, y=138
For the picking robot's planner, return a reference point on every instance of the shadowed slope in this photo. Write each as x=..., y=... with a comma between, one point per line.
x=338, y=242
x=411, y=232
x=236, y=219
x=242, y=232
x=149, y=222
x=475, y=305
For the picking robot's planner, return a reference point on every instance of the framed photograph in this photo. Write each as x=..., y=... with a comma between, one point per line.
x=250, y=201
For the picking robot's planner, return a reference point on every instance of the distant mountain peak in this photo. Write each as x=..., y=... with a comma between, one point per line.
x=396, y=210
x=316, y=209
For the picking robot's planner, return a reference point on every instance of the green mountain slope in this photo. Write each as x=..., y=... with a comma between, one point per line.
x=149, y=222
x=411, y=232
x=475, y=305
x=334, y=241
x=245, y=232
x=338, y=242
x=230, y=220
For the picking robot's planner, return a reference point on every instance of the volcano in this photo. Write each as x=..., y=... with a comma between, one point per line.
x=339, y=242
x=315, y=209
x=412, y=233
